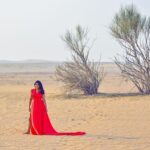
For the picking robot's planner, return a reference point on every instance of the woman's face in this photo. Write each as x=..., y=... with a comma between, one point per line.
x=36, y=85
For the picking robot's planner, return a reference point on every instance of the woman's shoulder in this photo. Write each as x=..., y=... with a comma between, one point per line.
x=32, y=90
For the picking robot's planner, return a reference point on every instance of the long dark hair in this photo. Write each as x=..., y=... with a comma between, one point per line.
x=40, y=86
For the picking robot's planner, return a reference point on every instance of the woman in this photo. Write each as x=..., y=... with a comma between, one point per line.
x=39, y=122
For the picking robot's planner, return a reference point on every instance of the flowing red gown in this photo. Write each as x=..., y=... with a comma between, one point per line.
x=39, y=121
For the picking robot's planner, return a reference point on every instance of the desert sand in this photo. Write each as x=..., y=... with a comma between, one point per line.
x=116, y=119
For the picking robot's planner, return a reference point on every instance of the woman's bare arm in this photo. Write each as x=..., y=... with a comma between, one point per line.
x=43, y=98
x=30, y=103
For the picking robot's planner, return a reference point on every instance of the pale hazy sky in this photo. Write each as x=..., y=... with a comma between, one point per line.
x=31, y=29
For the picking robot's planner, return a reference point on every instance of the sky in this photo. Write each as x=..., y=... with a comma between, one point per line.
x=31, y=29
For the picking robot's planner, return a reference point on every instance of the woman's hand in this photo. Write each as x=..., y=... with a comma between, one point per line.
x=46, y=109
x=30, y=103
x=44, y=101
x=29, y=109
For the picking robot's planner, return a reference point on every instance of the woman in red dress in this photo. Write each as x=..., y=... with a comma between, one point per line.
x=39, y=122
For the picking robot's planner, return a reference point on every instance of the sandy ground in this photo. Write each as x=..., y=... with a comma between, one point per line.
x=116, y=119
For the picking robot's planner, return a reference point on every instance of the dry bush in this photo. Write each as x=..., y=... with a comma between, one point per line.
x=132, y=31
x=80, y=73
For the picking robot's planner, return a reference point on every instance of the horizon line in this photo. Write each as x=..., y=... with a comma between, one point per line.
x=41, y=60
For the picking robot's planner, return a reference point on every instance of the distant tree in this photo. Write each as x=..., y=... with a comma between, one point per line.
x=80, y=73
x=132, y=31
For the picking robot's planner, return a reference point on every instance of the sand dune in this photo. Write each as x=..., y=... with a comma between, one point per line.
x=116, y=119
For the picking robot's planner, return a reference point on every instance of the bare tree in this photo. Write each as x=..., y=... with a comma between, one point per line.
x=80, y=73
x=132, y=31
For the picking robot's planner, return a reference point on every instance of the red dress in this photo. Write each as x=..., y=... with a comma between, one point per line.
x=39, y=120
